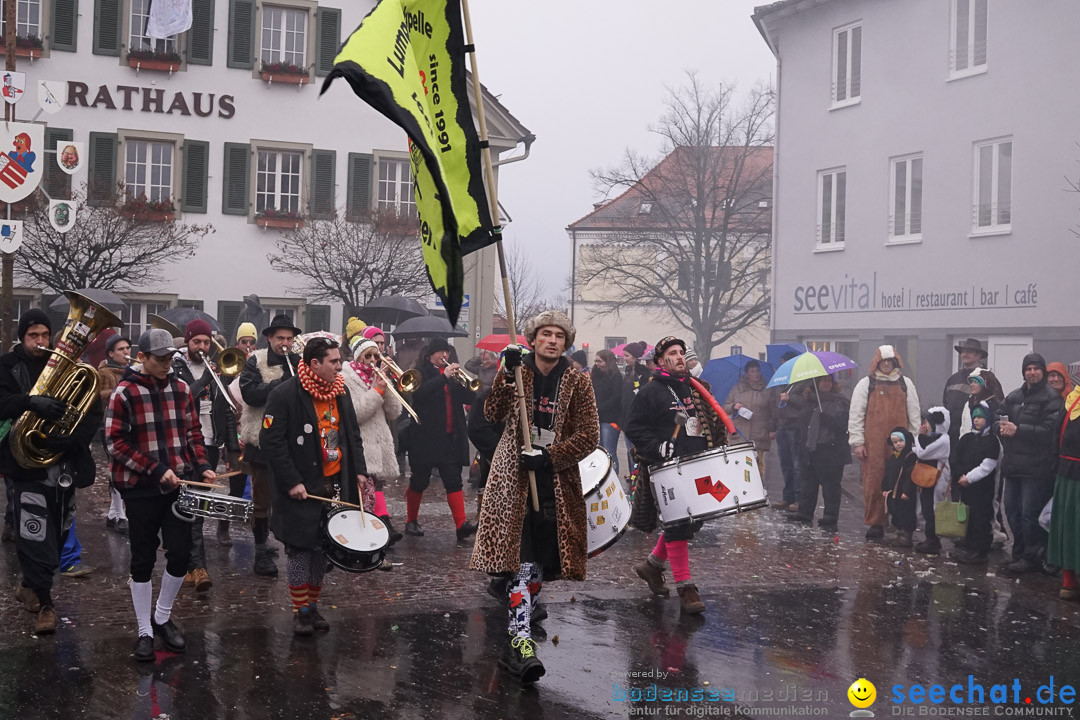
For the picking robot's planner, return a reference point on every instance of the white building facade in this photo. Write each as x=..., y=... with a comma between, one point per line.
x=225, y=120
x=922, y=153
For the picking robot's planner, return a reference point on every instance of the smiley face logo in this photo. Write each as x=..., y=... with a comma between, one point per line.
x=862, y=693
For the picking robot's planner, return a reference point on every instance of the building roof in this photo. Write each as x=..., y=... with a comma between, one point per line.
x=501, y=124
x=766, y=13
x=625, y=212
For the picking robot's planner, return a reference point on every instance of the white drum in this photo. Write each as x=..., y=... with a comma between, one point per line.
x=607, y=509
x=718, y=482
x=355, y=544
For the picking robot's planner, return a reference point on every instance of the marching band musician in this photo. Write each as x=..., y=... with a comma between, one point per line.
x=264, y=370
x=245, y=340
x=110, y=371
x=515, y=541
x=153, y=434
x=653, y=429
x=216, y=420
x=44, y=509
x=313, y=444
x=376, y=406
x=440, y=440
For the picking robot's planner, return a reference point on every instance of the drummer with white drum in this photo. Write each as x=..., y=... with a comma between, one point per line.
x=312, y=442
x=670, y=418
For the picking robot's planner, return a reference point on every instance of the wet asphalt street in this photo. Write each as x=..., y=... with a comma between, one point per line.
x=795, y=615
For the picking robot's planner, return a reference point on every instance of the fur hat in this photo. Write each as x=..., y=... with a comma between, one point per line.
x=550, y=318
x=887, y=352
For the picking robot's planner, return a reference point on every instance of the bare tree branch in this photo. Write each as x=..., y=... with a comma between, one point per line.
x=105, y=248
x=697, y=246
x=353, y=262
x=527, y=290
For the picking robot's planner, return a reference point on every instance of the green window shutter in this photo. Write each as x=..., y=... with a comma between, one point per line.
x=101, y=174
x=201, y=34
x=65, y=25
x=241, y=34
x=360, y=180
x=196, y=175
x=317, y=317
x=228, y=313
x=327, y=39
x=57, y=183
x=323, y=169
x=107, y=24
x=234, y=198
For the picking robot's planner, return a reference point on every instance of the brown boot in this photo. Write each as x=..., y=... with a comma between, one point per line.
x=27, y=597
x=654, y=576
x=902, y=540
x=201, y=580
x=46, y=621
x=690, y=600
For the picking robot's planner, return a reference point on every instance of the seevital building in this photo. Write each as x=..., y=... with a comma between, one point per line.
x=225, y=121
x=921, y=166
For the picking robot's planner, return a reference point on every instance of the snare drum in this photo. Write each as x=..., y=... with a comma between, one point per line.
x=607, y=508
x=192, y=503
x=353, y=545
x=718, y=482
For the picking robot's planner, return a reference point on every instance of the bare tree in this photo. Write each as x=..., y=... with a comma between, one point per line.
x=527, y=289
x=107, y=247
x=696, y=245
x=354, y=261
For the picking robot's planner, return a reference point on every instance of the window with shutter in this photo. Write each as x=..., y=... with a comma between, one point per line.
x=196, y=173
x=101, y=173
x=323, y=167
x=317, y=317
x=197, y=304
x=359, y=193
x=234, y=200
x=327, y=39
x=201, y=34
x=65, y=25
x=107, y=23
x=241, y=34
x=228, y=314
x=57, y=183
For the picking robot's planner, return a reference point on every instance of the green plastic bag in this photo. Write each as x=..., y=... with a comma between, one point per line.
x=950, y=519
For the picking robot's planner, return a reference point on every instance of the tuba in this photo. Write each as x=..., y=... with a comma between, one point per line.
x=66, y=379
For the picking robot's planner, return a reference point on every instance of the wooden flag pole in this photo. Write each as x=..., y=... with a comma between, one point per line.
x=493, y=201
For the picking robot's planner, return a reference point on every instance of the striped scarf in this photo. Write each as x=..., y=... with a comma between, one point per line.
x=318, y=388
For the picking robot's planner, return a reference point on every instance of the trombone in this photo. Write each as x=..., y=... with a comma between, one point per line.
x=406, y=381
x=465, y=379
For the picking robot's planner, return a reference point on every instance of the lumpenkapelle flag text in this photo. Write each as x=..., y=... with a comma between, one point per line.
x=407, y=60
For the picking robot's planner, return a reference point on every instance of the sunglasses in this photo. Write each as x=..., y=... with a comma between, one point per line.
x=323, y=342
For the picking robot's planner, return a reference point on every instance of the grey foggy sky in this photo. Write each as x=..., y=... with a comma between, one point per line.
x=587, y=78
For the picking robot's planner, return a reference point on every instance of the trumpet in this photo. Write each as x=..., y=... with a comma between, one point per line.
x=466, y=380
x=405, y=381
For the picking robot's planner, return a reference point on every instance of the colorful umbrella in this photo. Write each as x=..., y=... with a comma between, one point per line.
x=813, y=364
x=496, y=342
x=619, y=349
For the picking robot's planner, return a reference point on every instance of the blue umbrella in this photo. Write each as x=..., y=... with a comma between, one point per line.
x=775, y=353
x=723, y=374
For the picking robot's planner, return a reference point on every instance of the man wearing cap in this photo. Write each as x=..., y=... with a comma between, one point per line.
x=515, y=541
x=153, y=434
x=441, y=438
x=955, y=396
x=653, y=428
x=883, y=400
x=44, y=509
x=110, y=372
x=264, y=370
x=216, y=423
x=1029, y=433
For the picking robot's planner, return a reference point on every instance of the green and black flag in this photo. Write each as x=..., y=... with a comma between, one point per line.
x=407, y=60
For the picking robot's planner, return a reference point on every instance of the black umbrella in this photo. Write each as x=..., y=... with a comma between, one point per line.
x=103, y=297
x=427, y=326
x=181, y=316
x=391, y=310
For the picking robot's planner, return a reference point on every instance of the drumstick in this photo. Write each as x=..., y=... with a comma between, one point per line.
x=360, y=494
x=229, y=474
x=334, y=502
x=202, y=484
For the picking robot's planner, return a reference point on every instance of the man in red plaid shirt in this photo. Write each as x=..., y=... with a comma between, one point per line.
x=152, y=431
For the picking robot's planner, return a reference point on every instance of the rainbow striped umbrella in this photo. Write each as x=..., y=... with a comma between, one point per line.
x=812, y=364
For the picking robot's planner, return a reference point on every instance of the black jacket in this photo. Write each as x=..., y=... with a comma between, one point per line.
x=256, y=392
x=293, y=450
x=608, y=389
x=429, y=443
x=831, y=445
x=1037, y=413
x=18, y=374
x=652, y=419
x=632, y=383
x=484, y=434
x=222, y=418
x=897, y=476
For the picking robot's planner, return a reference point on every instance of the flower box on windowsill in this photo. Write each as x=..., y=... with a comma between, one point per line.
x=156, y=216
x=281, y=223
x=285, y=78
x=33, y=53
x=169, y=66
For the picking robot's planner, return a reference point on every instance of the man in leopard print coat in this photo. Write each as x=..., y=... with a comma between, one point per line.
x=514, y=541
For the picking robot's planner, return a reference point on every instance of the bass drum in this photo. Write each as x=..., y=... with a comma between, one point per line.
x=355, y=545
x=607, y=509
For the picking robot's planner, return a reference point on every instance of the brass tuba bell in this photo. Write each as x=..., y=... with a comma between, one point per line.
x=66, y=379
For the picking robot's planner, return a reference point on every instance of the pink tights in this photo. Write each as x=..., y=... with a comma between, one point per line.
x=677, y=553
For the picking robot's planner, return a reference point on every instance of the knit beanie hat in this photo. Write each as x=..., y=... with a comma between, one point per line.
x=246, y=330
x=33, y=316
x=1034, y=359
x=580, y=357
x=981, y=410
x=636, y=349
x=354, y=327
x=198, y=326
x=371, y=331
